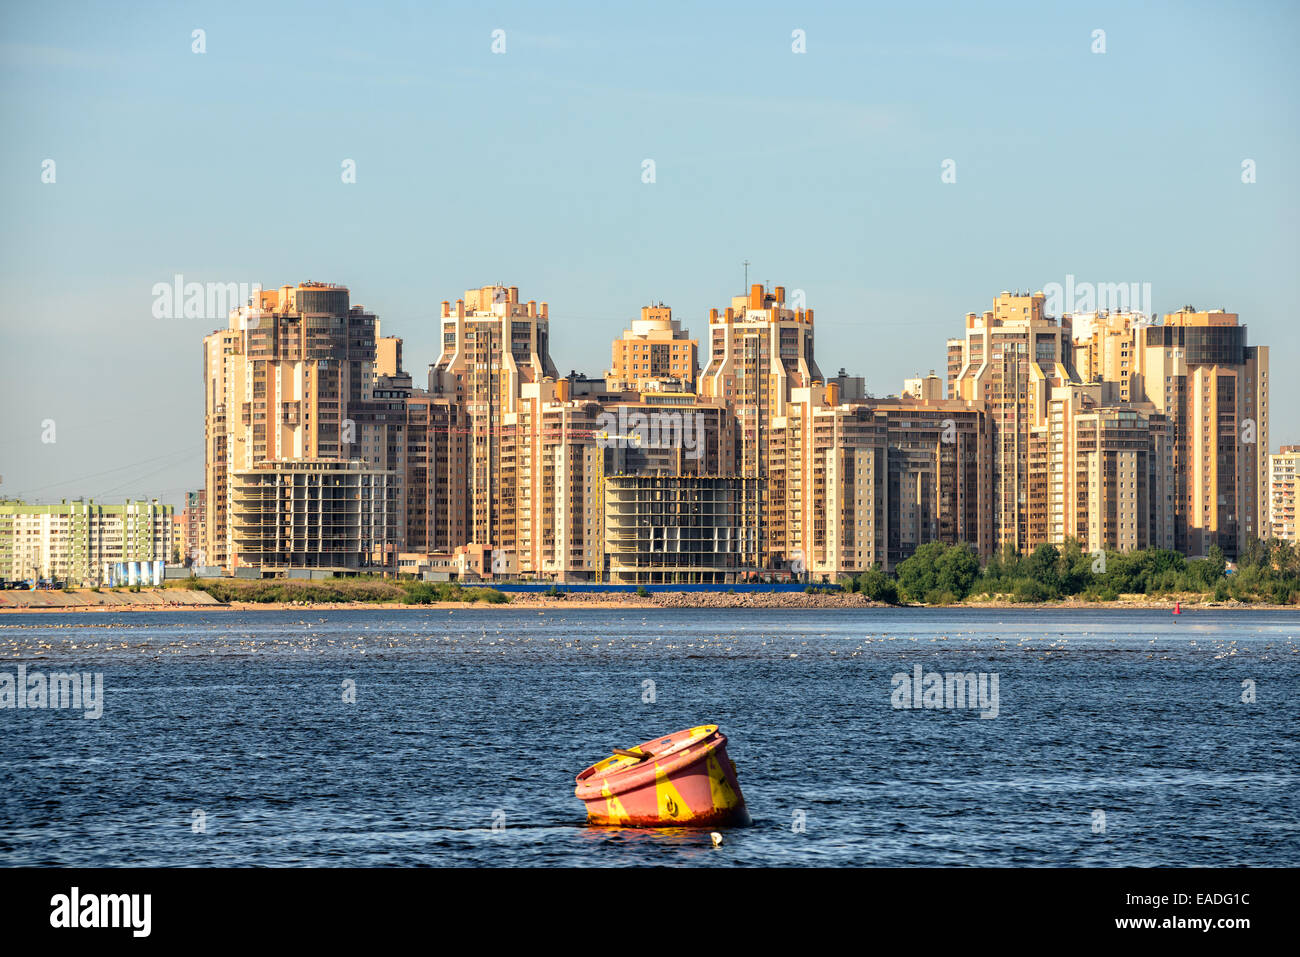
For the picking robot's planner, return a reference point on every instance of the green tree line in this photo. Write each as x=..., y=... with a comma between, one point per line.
x=937, y=573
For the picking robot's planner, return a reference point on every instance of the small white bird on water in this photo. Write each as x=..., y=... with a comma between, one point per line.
x=717, y=839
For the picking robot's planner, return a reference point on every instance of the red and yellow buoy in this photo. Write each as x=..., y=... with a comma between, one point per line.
x=684, y=779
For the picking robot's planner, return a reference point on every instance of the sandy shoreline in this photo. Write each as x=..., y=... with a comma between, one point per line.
x=719, y=600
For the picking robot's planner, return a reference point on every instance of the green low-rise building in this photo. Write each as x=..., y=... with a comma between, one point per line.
x=76, y=541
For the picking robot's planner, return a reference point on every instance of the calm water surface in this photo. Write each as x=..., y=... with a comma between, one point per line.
x=463, y=715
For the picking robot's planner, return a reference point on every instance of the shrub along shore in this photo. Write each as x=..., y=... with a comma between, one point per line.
x=936, y=576
x=939, y=574
x=369, y=590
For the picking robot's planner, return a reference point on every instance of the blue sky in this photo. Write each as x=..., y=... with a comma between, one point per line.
x=822, y=169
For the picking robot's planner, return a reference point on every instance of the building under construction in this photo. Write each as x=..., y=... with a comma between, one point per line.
x=678, y=529
x=327, y=515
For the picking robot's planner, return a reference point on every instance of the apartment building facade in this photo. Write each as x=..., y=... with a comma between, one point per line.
x=76, y=542
x=1009, y=359
x=284, y=384
x=1198, y=370
x=653, y=349
x=1283, y=472
x=940, y=473
x=492, y=345
x=1043, y=437
x=1122, y=471
x=193, y=524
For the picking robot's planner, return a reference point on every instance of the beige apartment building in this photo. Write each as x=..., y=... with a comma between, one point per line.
x=436, y=489
x=823, y=511
x=667, y=433
x=1198, y=371
x=1009, y=359
x=1105, y=351
x=558, y=450
x=221, y=366
x=1283, y=470
x=1054, y=501
x=1099, y=473
x=178, y=540
x=550, y=496
x=928, y=388
x=503, y=468
x=759, y=350
x=858, y=484
x=279, y=386
x=1082, y=447
x=492, y=345
x=655, y=351
x=1122, y=475
x=940, y=473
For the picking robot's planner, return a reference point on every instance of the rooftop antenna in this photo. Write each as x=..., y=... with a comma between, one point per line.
x=747, y=275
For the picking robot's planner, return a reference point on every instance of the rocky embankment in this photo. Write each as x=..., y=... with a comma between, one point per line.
x=83, y=599
x=177, y=599
x=697, y=599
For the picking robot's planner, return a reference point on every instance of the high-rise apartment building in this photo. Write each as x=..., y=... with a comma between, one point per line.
x=760, y=349
x=1103, y=428
x=940, y=474
x=221, y=366
x=1121, y=478
x=1199, y=372
x=1009, y=359
x=550, y=497
x=665, y=433
x=1105, y=351
x=492, y=345
x=380, y=422
x=655, y=351
x=1098, y=472
x=826, y=487
x=1078, y=451
x=1283, y=471
x=1053, y=503
x=435, y=492
x=280, y=384
x=193, y=518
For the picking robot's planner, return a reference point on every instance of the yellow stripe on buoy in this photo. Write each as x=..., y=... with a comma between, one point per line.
x=671, y=805
x=720, y=791
x=614, y=810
